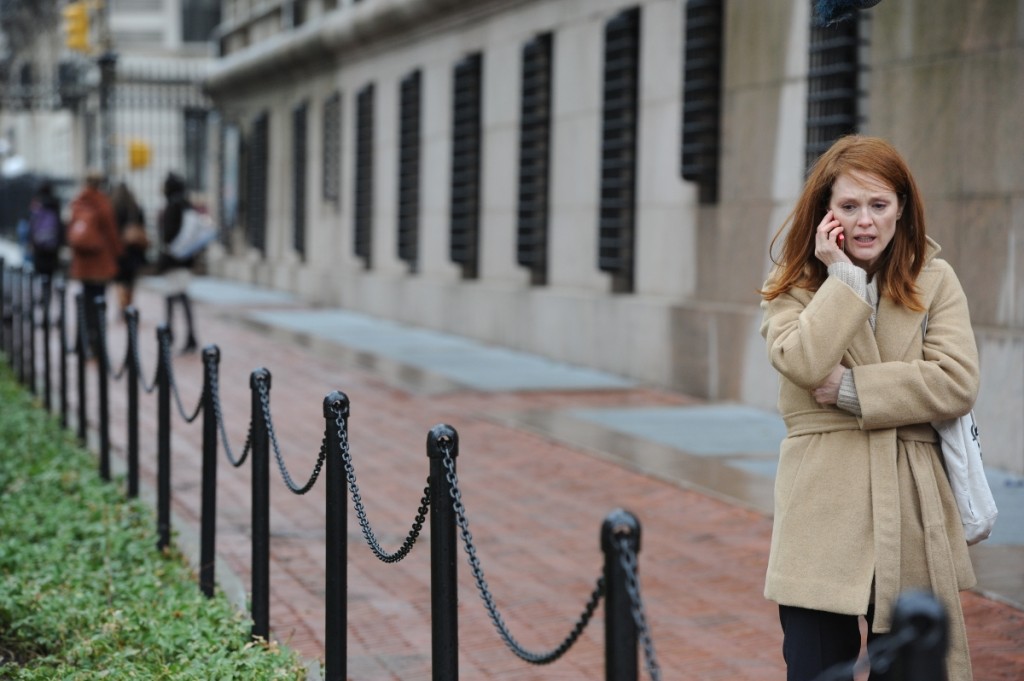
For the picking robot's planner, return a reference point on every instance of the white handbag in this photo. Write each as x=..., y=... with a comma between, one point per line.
x=962, y=453
x=197, y=231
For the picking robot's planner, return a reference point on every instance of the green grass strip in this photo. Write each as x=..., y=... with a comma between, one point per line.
x=84, y=593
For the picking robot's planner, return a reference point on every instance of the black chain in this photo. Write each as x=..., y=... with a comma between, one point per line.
x=166, y=349
x=485, y=593
x=629, y=564
x=133, y=344
x=357, y=501
x=218, y=412
x=261, y=385
x=116, y=375
x=882, y=653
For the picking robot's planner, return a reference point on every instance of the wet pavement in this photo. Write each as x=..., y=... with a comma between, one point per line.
x=546, y=451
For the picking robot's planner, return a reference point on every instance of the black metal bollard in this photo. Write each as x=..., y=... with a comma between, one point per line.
x=208, y=512
x=3, y=306
x=131, y=319
x=63, y=358
x=82, y=344
x=336, y=640
x=444, y=594
x=47, y=354
x=163, y=439
x=919, y=615
x=17, y=324
x=103, y=381
x=620, y=652
x=30, y=332
x=260, y=509
x=62, y=343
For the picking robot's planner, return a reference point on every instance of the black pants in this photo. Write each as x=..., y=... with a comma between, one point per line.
x=814, y=640
x=190, y=336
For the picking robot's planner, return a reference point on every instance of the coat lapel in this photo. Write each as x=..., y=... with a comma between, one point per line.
x=899, y=327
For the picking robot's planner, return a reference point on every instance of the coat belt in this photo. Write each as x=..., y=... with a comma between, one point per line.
x=832, y=420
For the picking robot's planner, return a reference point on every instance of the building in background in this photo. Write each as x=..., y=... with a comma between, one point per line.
x=154, y=117
x=599, y=181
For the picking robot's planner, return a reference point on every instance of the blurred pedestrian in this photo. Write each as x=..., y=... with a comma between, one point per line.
x=872, y=337
x=95, y=246
x=46, y=230
x=131, y=225
x=178, y=272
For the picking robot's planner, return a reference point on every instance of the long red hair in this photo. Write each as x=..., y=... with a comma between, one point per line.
x=899, y=264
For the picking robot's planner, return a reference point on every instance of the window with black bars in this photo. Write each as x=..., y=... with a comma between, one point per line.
x=257, y=184
x=467, y=93
x=410, y=95
x=299, y=117
x=618, y=149
x=363, y=207
x=332, y=150
x=195, y=148
x=702, y=96
x=833, y=85
x=229, y=171
x=199, y=19
x=534, y=158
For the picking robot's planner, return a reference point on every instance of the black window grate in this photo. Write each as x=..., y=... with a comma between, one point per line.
x=833, y=85
x=465, y=188
x=410, y=95
x=702, y=96
x=332, y=150
x=256, y=201
x=299, y=154
x=199, y=20
x=195, y=148
x=618, y=149
x=363, y=206
x=535, y=158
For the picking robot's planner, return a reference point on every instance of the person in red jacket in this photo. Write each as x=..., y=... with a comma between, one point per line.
x=95, y=247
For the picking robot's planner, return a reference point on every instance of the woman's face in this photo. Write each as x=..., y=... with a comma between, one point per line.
x=867, y=209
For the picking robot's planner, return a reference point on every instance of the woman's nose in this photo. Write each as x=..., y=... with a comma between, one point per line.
x=864, y=216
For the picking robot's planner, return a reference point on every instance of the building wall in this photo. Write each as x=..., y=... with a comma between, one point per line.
x=943, y=84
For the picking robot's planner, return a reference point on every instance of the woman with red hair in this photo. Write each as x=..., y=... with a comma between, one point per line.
x=871, y=335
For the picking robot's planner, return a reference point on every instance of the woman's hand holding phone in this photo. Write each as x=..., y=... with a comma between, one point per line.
x=829, y=240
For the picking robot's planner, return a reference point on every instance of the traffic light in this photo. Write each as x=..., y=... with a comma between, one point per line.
x=76, y=26
x=138, y=154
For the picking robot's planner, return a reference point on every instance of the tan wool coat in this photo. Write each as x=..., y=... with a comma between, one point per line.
x=863, y=509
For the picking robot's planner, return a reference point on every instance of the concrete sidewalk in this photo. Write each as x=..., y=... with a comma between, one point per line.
x=546, y=450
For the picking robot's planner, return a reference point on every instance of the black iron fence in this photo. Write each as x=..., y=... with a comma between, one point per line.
x=914, y=650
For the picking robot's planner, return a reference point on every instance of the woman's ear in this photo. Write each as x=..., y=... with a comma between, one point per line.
x=902, y=205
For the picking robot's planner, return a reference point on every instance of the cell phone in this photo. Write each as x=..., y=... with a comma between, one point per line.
x=839, y=240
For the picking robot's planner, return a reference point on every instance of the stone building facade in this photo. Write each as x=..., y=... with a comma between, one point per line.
x=598, y=181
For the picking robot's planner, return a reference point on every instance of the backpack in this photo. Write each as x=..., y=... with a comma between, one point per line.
x=44, y=230
x=84, y=235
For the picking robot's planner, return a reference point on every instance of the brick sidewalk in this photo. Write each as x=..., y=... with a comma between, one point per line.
x=535, y=508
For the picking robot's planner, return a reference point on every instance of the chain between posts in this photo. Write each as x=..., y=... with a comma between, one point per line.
x=218, y=412
x=133, y=344
x=174, y=387
x=488, y=598
x=261, y=385
x=116, y=375
x=629, y=564
x=882, y=653
x=357, y=501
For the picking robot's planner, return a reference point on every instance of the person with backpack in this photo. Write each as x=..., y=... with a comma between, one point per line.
x=177, y=271
x=95, y=247
x=46, y=230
